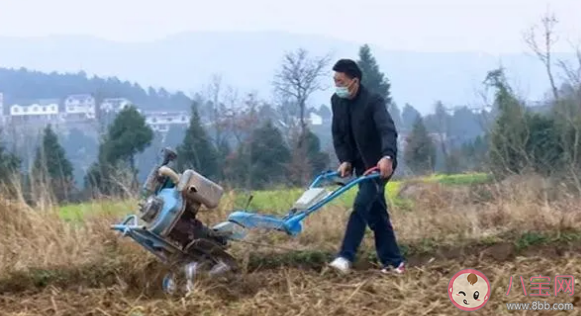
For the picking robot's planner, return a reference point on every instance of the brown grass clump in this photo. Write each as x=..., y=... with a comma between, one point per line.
x=52, y=267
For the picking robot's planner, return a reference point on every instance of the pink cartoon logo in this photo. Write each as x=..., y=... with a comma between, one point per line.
x=469, y=290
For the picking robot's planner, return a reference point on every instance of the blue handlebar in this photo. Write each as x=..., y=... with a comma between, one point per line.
x=370, y=174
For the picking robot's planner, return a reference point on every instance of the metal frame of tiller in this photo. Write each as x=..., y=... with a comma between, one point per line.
x=148, y=240
x=291, y=223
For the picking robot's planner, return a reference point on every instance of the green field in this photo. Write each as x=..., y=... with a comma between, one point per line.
x=270, y=201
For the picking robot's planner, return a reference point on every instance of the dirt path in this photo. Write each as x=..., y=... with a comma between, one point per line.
x=308, y=289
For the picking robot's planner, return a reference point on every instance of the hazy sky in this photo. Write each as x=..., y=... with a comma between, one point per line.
x=427, y=25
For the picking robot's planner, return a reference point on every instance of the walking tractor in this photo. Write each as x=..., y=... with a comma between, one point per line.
x=166, y=224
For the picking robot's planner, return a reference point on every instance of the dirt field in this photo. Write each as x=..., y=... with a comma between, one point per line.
x=294, y=291
x=52, y=267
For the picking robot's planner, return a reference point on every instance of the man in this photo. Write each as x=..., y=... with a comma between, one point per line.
x=364, y=136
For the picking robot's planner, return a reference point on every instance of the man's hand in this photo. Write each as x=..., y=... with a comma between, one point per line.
x=344, y=169
x=385, y=166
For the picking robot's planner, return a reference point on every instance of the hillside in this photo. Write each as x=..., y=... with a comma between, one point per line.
x=23, y=86
x=248, y=60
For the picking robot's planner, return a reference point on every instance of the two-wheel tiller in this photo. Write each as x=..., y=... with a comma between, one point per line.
x=171, y=231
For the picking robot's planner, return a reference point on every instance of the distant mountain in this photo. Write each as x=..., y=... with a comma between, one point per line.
x=248, y=60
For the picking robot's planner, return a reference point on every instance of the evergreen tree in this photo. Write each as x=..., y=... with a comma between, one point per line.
x=544, y=152
x=9, y=167
x=150, y=156
x=420, y=152
x=197, y=151
x=175, y=136
x=127, y=136
x=521, y=140
x=509, y=135
x=373, y=78
x=51, y=166
x=395, y=113
x=237, y=168
x=409, y=116
x=81, y=149
x=441, y=126
x=269, y=156
x=318, y=160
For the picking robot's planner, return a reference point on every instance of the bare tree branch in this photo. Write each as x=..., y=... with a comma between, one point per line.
x=573, y=73
x=298, y=77
x=544, y=54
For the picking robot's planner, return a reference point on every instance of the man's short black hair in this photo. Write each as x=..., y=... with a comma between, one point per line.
x=348, y=67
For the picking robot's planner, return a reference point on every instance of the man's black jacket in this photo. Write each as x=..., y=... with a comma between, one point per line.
x=363, y=130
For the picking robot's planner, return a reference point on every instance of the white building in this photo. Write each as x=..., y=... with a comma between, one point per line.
x=114, y=104
x=162, y=121
x=40, y=111
x=79, y=107
x=315, y=119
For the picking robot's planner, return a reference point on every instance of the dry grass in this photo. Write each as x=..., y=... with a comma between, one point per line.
x=296, y=292
x=86, y=269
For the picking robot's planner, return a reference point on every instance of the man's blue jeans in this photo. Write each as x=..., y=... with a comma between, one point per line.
x=370, y=208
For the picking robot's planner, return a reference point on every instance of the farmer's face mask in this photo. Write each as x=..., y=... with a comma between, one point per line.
x=345, y=91
x=342, y=92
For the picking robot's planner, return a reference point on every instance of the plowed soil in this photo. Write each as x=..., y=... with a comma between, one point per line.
x=300, y=290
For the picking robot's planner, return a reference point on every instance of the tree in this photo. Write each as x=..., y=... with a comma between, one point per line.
x=474, y=153
x=442, y=130
x=298, y=77
x=373, y=78
x=304, y=164
x=269, y=156
x=244, y=120
x=543, y=149
x=318, y=160
x=127, y=136
x=409, y=116
x=222, y=101
x=242, y=124
x=261, y=160
x=522, y=141
x=509, y=134
x=197, y=151
x=51, y=166
x=9, y=166
x=150, y=156
x=395, y=113
x=548, y=23
x=81, y=149
x=420, y=152
x=174, y=136
x=325, y=113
